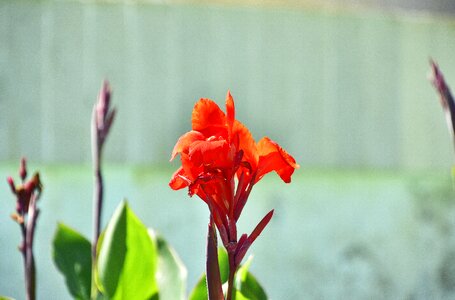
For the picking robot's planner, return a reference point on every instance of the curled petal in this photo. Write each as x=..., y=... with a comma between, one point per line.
x=274, y=158
x=178, y=180
x=185, y=141
x=208, y=118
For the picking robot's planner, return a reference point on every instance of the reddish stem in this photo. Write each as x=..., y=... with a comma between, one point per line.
x=232, y=271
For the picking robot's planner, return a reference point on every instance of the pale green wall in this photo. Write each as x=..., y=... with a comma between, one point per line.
x=335, y=88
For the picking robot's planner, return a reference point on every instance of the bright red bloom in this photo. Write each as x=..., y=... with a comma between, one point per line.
x=221, y=162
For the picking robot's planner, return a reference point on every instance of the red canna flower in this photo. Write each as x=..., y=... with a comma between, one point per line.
x=221, y=162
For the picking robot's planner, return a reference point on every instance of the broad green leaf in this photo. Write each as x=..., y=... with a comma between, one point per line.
x=127, y=258
x=247, y=285
x=171, y=274
x=239, y=296
x=223, y=261
x=199, y=291
x=5, y=298
x=72, y=255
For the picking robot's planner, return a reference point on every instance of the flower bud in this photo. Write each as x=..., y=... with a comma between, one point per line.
x=23, y=168
x=102, y=107
x=11, y=184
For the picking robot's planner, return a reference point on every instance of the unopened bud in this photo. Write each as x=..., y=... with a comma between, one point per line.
x=11, y=184
x=103, y=105
x=23, y=168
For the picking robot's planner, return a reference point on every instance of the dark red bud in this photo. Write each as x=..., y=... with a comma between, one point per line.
x=241, y=251
x=23, y=168
x=102, y=106
x=11, y=184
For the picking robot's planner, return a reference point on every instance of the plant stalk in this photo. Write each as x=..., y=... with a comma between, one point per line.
x=98, y=190
x=232, y=271
x=27, y=251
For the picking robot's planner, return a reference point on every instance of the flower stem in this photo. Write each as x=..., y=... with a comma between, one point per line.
x=98, y=190
x=97, y=204
x=232, y=271
x=29, y=260
x=97, y=208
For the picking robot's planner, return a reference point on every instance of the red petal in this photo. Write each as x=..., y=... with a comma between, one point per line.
x=274, y=158
x=244, y=141
x=208, y=118
x=213, y=153
x=230, y=111
x=185, y=142
x=178, y=180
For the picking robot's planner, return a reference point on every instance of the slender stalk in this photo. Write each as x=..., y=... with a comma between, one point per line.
x=26, y=215
x=232, y=271
x=98, y=191
x=102, y=118
x=29, y=259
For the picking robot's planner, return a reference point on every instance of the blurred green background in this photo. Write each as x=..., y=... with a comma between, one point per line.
x=343, y=88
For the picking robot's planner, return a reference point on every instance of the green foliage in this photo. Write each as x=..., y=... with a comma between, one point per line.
x=171, y=273
x=5, y=298
x=223, y=261
x=127, y=258
x=245, y=284
x=72, y=256
x=199, y=291
x=135, y=263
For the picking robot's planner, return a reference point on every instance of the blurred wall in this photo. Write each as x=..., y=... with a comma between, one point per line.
x=335, y=87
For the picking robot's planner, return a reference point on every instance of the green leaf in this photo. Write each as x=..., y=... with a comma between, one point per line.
x=247, y=285
x=72, y=256
x=127, y=259
x=171, y=274
x=223, y=261
x=239, y=296
x=199, y=291
x=5, y=298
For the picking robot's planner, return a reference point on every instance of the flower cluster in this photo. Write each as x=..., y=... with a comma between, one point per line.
x=221, y=162
x=25, y=193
